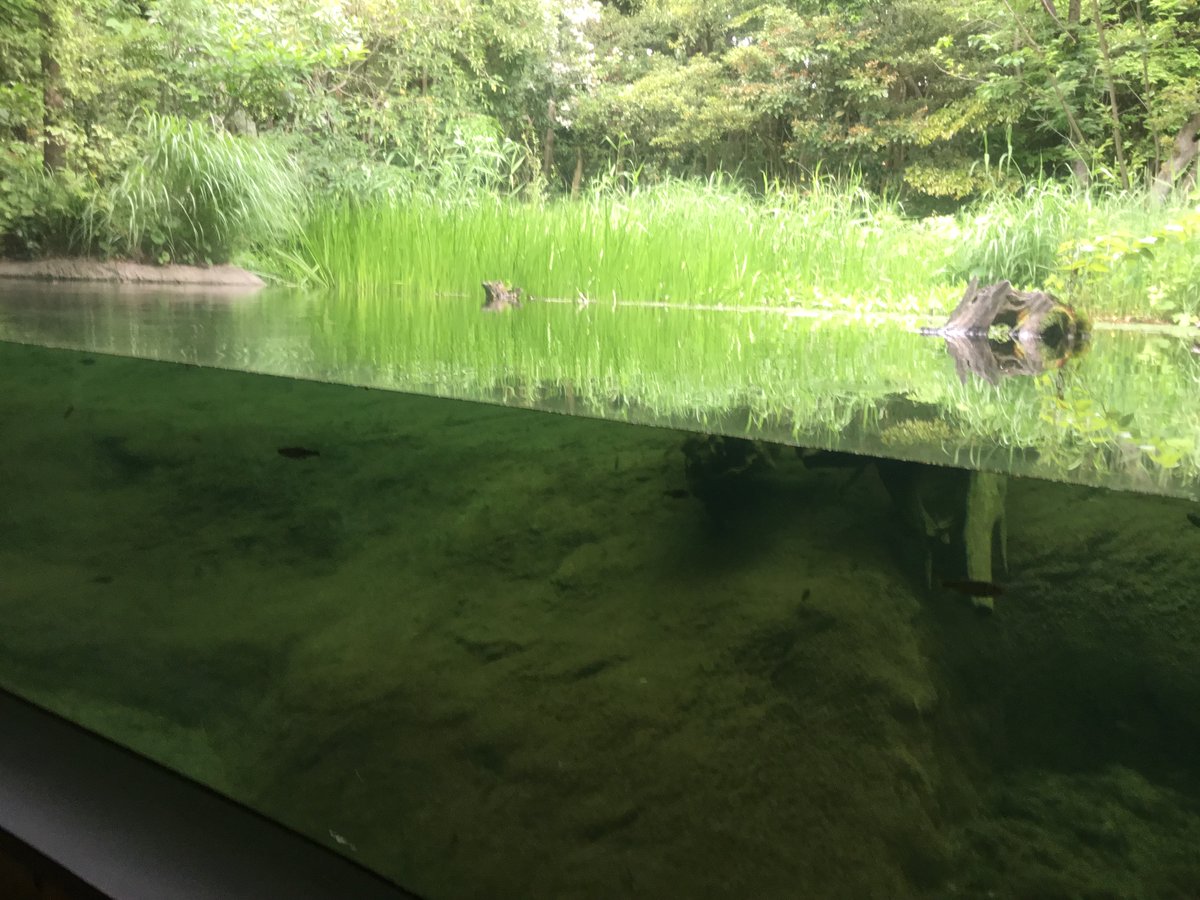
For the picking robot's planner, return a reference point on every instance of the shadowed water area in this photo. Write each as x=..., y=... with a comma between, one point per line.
x=648, y=649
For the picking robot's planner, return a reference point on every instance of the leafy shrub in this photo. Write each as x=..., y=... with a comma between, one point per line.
x=196, y=195
x=338, y=166
x=1154, y=270
x=39, y=213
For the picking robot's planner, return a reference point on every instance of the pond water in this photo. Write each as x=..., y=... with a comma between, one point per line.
x=492, y=652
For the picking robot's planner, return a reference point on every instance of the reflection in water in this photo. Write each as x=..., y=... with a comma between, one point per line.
x=494, y=653
x=1124, y=417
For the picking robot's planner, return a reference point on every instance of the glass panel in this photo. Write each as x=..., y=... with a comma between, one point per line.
x=490, y=652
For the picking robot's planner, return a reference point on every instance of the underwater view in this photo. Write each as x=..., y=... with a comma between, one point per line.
x=594, y=449
x=492, y=651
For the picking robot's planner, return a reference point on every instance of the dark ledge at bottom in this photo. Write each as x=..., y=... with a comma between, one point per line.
x=82, y=819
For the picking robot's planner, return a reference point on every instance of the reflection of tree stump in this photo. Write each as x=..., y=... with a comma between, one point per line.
x=498, y=297
x=985, y=528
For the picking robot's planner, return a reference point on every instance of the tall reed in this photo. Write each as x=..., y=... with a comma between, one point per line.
x=195, y=195
x=676, y=242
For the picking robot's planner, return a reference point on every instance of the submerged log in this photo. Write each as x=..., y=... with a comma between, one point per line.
x=958, y=518
x=498, y=297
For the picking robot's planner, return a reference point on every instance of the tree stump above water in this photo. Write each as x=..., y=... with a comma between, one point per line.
x=498, y=297
x=1035, y=330
x=1024, y=313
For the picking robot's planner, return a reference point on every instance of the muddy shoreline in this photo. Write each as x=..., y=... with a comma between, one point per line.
x=124, y=272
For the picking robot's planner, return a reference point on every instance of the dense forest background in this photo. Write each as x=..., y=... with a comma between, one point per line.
x=929, y=101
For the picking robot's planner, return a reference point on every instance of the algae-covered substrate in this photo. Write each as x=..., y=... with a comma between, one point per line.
x=491, y=652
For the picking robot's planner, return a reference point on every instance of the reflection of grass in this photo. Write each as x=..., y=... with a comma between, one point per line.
x=817, y=382
x=832, y=246
x=691, y=368
x=1125, y=410
x=1095, y=416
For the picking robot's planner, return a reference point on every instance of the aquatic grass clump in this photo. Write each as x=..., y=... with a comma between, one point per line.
x=677, y=242
x=195, y=194
x=830, y=246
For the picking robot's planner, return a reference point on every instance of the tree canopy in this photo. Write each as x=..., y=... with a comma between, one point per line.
x=913, y=95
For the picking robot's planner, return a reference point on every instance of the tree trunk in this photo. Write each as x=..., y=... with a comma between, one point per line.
x=548, y=143
x=1186, y=150
x=577, y=177
x=1118, y=142
x=54, y=151
x=1048, y=5
x=1083, y=175
x=1079, y=144
x=1148, y=88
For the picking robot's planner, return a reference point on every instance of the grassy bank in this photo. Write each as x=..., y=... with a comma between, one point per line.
x=678, y=243
x=832, y=245
x=189, y=193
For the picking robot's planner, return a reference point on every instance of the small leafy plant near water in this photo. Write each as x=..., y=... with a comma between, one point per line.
x=195, y=194
x=1149, y=271
x=39, y=212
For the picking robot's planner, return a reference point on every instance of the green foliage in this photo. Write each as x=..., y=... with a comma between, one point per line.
x=1107, y=252
x=832, y=246
x=195, y=195
x=39, y=213
x=1046, y=74
x=781, y=88
x=275, y=60
x=431, y=121
x=1015, y=234
x=1154, y=270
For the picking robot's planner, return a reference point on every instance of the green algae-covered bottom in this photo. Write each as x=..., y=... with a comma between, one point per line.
x=496, y=653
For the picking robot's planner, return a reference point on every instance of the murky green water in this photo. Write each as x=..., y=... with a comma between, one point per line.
x=492, y=652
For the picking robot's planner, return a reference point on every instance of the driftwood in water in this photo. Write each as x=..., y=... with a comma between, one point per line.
x=1036, y=330
x=498, y=297
x=981, y=308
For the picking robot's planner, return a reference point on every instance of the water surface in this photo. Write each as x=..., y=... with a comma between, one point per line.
x=1119, y=414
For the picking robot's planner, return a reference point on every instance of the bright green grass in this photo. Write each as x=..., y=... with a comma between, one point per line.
x=677, y=243
x=195, y=195
x=1118, y=254
x=830, y=246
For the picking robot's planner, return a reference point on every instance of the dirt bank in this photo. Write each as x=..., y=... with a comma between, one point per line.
x=127, y=272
